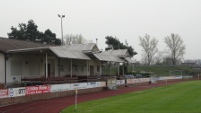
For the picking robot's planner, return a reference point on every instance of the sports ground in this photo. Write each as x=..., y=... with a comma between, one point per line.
x=57, y=105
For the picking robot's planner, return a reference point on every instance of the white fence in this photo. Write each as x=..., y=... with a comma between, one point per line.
x=30, y=90
x=137, y=80
x=169, y=77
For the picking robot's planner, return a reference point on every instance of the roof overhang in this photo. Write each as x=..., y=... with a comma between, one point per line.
x=28, y=50
x=58, y=51
x=109, y=58
x=62, y=53
x=129, y=60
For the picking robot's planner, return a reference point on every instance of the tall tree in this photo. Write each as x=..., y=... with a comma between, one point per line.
x=18, y=34
x=75, y=39
x=29, y=32
x=149, y=47
x=114, y=43
x=49, y=36
x=167, y=60
x=176, y=46
x=159, y=57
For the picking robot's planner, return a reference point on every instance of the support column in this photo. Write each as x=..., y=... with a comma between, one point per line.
x=59, y=68
x=100, y=68
x=118, y=69
x=123, y=69
x=5, y=70
x=71, y=68
x=110, y=68
x=46, y=64
x=87, y=68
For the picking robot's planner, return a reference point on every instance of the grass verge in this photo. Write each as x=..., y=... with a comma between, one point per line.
x=178, y=98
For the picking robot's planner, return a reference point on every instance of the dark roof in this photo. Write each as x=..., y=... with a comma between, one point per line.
x=82, y=47
x=78, y=51
x=117, y=52
x=11, y=44
x=106, y=57
x=68, y=52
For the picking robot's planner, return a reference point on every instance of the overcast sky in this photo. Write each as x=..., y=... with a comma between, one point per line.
x=124, y=19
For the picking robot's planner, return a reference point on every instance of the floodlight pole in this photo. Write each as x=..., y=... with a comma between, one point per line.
x=61, y=16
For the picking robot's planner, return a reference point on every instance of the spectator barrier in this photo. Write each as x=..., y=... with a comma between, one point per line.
x=40, y=89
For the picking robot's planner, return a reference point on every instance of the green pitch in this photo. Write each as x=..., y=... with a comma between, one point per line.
x=178, y=98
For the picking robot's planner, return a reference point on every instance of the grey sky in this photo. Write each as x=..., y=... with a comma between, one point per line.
x=125, y=19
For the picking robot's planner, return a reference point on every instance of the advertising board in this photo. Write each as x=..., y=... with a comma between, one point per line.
x=103, y=84
x=78, y=86
x=37, y=89
x=92, y=84
x=138, y=80
x=60, y=87
x=120, y=82
x=15, y=92
x=3, y=93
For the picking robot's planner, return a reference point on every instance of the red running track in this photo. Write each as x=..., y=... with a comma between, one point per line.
x=56, y=105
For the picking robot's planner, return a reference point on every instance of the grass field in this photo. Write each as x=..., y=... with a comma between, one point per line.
x=178, y=98
x=165, y=70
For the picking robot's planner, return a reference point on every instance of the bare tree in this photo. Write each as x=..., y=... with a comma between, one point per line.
x=176, y=47
x=75, y=39
x=159, y=57
x=167, y=60
x=149, y=47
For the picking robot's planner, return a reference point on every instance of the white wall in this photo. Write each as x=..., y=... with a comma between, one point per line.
x=95, y=63
x=2, y=68
x=33, y=65
x=53, y=61
x=79, y=67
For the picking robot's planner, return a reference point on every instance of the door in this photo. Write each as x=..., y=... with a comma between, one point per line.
x=91, y=70
x=48, y=69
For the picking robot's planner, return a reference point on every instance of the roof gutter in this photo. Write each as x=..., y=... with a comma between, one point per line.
x=27, y=49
